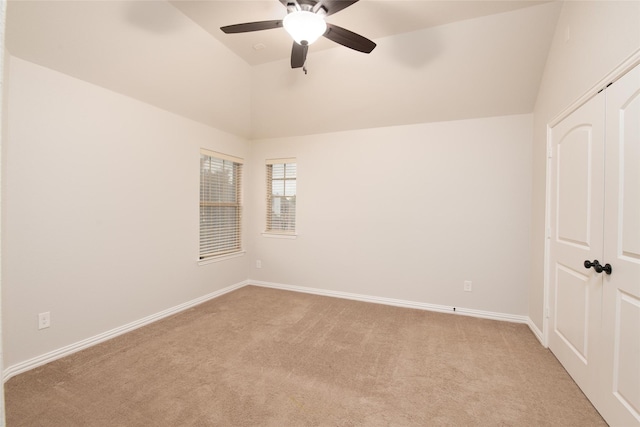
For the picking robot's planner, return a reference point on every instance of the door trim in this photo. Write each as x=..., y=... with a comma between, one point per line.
x=622, y=69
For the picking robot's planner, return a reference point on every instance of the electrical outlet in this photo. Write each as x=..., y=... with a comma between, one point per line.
x=44, y=320
x=467, y=285
x=258, y=264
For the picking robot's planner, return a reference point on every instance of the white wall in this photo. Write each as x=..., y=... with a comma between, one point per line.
x=591, y=39
x=100, y=211
x=406, y=212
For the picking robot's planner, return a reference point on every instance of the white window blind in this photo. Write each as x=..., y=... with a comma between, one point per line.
x=281, y=195
x=220, y=204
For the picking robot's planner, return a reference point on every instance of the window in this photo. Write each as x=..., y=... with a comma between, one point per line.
x=220, y=204
x=281, y=196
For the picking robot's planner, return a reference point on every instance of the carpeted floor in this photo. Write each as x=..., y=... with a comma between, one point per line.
x=265, y=357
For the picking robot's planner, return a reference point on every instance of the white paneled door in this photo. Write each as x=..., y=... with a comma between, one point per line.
x=594, y=261
x=621, y=289
x=577, y=203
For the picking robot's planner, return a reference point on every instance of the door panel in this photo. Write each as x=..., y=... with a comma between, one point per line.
x=576, y=220
x=571, y=325
x=574, y=175
x=621, y=289
x=626, y=369
x=629, y=203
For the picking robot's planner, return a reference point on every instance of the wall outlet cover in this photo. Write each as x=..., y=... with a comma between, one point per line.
x=44, y=320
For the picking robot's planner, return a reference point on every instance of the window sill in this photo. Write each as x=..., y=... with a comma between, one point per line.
x=221, y=258
x=272, y=235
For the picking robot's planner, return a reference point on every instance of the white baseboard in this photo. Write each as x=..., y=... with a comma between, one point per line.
x=86, y=343
x=27, y=365
x=396, y=302
x=537, y=332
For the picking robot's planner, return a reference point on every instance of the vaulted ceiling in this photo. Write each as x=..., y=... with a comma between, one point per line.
x=435, y=60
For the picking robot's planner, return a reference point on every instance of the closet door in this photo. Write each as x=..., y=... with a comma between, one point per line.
x=577, y=203
x=621, y=298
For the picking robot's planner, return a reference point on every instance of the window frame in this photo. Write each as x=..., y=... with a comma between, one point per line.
x=269, y=230
x=206, y=256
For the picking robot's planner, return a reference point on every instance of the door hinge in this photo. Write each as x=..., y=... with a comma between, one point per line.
x=605, y=87
x=546, y=312
x=550, y=153
x=548, y=233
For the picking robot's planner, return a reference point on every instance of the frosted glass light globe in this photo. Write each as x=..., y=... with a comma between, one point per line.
x=304, y=26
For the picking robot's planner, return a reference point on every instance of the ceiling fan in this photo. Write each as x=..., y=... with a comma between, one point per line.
x=305, y=24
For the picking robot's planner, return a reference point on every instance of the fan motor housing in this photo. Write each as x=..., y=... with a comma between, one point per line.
x=314, y=6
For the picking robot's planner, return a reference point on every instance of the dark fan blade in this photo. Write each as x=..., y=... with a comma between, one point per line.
x=251, y=26
x=298, y=55
x=349, y=39
x=333, y=6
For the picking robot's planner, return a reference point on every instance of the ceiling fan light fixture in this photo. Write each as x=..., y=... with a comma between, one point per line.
x=304, y=26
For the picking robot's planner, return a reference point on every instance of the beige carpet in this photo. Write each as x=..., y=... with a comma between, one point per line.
x=264, y=357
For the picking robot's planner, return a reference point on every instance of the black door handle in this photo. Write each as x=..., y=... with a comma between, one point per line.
x=595, y=264
x=597, y=267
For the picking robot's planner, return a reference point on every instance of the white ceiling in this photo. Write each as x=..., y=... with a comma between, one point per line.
x=435, y=60
x=371, y=18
